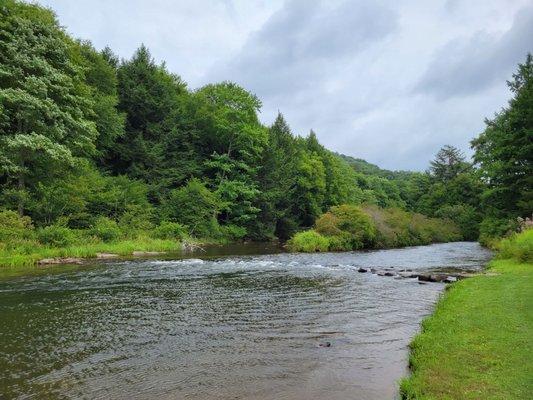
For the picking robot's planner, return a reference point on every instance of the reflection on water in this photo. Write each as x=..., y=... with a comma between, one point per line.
x=233, y=327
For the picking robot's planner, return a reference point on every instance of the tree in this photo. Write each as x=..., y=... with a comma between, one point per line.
x=150, y=97
x=448, y=163
x=310, y=187
x=45, y=107
x=504, y=151
x=277, y=182
x=233, y=141
x=101, y=76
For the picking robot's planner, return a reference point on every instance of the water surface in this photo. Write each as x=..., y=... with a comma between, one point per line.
x=231, y=327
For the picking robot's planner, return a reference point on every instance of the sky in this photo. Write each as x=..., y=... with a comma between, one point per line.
x=387, y=81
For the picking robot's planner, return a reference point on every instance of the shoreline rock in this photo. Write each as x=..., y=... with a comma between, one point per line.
x=146, y=253
x=60, y=260
x=106, y=255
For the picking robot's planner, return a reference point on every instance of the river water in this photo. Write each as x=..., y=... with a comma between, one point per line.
x=227, y=327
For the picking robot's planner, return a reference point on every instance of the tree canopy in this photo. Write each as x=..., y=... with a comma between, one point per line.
x=86, y=138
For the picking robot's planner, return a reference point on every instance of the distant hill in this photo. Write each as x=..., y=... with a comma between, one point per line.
x=366, y=168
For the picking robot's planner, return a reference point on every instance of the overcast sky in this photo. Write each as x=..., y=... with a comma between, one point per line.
x=387, y=81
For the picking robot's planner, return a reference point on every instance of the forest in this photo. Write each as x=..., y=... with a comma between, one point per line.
x=97, y=150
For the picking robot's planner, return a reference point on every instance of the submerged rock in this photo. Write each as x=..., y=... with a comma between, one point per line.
x=106, y=255
x=146, y=253
x=325, y=344
x=362, y=270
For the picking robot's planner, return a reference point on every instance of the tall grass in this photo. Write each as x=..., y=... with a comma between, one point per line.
x=519, y=246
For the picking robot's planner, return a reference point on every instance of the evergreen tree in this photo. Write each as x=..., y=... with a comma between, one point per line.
x=504, y=151
x=448, y=163
x=150, y=98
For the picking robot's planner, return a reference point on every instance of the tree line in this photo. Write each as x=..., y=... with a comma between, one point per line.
x=91, y=142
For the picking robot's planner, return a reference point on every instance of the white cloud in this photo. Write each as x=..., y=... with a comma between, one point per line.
x=388, y=81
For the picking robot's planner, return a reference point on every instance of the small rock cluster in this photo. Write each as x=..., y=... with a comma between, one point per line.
x=422, y=277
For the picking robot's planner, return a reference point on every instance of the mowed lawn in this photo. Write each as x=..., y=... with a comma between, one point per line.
x=479, y=342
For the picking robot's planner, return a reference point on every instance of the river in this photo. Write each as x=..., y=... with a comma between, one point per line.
x=228, y=326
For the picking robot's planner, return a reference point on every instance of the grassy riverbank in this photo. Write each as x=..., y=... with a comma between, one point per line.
x=477, y=344
x=27, y=257
x=23, y=245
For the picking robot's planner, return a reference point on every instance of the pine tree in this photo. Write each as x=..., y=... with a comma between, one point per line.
x=504, y=151
x=448, y=163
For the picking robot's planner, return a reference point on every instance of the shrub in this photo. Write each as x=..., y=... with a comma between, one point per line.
x=105, y=229
x=170, y=230
x=233, y=232
x=519, y=246
x=196, y=206
x=56, y=236
x=349, y=225
x=135, y=220
x=328, y=224
x=492, y=228
x=396, y=228
x=308, y=241
x=13, y=227
x=341, y=242
x=464, y=216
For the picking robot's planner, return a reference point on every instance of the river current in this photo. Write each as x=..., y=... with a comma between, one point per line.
x=253, y=326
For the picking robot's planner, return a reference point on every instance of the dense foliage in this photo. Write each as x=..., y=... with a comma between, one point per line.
x=349, y=227
x=96, y=147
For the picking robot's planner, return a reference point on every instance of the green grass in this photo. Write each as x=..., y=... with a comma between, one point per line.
x=32, y=254
x=479, y=342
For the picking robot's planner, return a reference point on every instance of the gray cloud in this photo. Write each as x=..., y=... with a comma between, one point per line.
x=467, y=66
x=299, y=42
x=387, y=81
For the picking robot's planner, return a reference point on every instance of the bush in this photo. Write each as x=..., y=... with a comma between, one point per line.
x=519, y=246
x=233, y=232
x=397, y=228
x=464, y=216
x=328, y=224
x=170, y=230
x=493, y=228
x=13, y=227
x=342, y=242
x=105, y=229
x=196, y=206
x=135, y=220
x=56, y=236
x=349, y=225
x=308, y=242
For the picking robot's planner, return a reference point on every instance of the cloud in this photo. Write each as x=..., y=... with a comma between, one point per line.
x=470, y=65
x=301, y=41
x=387, y=81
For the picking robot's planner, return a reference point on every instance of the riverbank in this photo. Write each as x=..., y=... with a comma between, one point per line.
x=35, y=254
x=477, y=344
